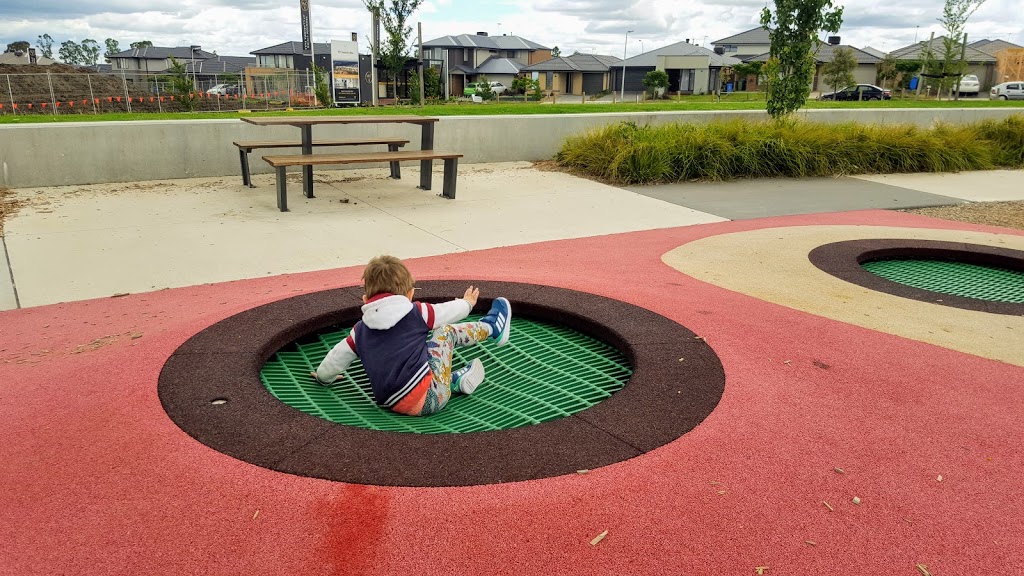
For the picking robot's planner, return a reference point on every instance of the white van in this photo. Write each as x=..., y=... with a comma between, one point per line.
x=1007, y=91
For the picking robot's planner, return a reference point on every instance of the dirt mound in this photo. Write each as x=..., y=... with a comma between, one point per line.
x=37, y=69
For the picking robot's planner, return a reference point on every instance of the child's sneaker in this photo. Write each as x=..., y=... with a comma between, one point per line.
x=500, y=320
x=468, y=378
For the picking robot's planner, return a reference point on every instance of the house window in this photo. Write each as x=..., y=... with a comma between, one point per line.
x=467, y=56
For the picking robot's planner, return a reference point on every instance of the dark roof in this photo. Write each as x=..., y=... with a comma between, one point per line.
x=991, y=47
x=163, y=53
x=486, y=42
x=649, y=59
x=757, y=35
x=825, y=52
x=221, y=65
x=914, y=51
x=576, y=63
x=460, y=69
x=495, y=65
x=293, y=48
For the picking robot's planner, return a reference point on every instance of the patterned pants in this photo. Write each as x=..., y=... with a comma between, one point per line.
x=440, y=346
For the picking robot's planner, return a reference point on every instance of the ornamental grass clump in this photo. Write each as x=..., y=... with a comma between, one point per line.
x=631, y=154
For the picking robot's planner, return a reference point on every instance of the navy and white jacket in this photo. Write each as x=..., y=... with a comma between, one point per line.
x=391, y=341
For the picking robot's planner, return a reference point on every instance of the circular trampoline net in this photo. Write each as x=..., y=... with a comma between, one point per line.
x=981, y=282
x=545, y=372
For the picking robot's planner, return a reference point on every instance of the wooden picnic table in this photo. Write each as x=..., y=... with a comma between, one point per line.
x=305, y=125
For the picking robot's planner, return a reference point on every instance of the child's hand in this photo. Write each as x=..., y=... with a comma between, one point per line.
x=317, y=378
x=471, y=295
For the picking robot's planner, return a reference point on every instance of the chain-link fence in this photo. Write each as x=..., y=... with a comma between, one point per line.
x=96, y=93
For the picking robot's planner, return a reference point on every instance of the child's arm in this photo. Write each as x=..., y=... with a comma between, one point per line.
x=448, y=312
x=337, y=360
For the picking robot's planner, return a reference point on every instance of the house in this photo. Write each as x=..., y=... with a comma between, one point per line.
x=753, y=42
x=219, y=70
x=465, y=57
x=981, y=64
x=136, y=63
x=874, y=52
x=691, y=69
x=24, y=58
x=290, y=56
x=866, y=71
x=577, y=74
x=993, y=47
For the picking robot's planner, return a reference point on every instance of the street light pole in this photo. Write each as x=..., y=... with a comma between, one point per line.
x=195, y=82
x=622, y=92
x=641, y=45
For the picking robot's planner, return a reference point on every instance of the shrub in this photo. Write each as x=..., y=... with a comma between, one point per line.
x=321, y=88
x=656, y=82
x=483, y=88
x=627, y=153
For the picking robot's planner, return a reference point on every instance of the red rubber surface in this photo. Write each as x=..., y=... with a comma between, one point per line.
x=95, y=479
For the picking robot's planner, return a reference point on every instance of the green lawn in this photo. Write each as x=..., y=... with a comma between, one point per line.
x=735, y=101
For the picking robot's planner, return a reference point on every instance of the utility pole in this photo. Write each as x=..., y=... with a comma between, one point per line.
x=375, y=49
x=920, y=77
x=622, y=93
x=419, y=33
x=963, y=55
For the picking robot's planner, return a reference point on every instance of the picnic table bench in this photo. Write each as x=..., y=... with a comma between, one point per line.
x=425, y=157
x=247, y=146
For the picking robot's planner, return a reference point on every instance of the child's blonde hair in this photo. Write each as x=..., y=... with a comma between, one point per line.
x=386, y=274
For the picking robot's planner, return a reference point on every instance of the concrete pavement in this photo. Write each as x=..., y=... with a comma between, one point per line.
x=78, y=242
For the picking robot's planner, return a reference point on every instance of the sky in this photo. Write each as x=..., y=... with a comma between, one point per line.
x=237, y=27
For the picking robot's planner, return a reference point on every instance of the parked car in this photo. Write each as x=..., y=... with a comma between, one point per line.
x=1007, y=91
x=969, y=85
x=223, y=89
x=473, y=87
x=859, y=92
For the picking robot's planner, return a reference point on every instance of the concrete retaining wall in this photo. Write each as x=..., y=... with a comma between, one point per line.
x=95, y=152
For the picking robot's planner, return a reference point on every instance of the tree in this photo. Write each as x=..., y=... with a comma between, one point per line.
x=954, y=17
x=20, y=45
x=838, y=73
x=483, y=88
x=90, y=51
x=654, y=80
x=71, y=52
x=556, y=52
x=745, y=70
x=141, y=44
x=887, y=71
x=432, y=85
x=45, y=44
x=321, y=88
x=181, y=86
x=793, y=30
x=396, y=47
x=112, y=48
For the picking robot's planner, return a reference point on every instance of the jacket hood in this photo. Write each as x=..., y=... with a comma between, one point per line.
x=384, y=313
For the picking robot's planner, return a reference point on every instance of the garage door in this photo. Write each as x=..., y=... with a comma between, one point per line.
x=634, y=78
x=593, y=83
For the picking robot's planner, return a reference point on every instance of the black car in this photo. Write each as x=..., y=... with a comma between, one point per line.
x=859, y=92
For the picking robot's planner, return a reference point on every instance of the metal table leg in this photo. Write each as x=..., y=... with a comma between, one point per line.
x=244, y=158
x=426, y=143
x=282, y=189
x=307, y=171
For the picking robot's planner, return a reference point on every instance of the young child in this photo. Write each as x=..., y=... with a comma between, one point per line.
x=409, y=374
